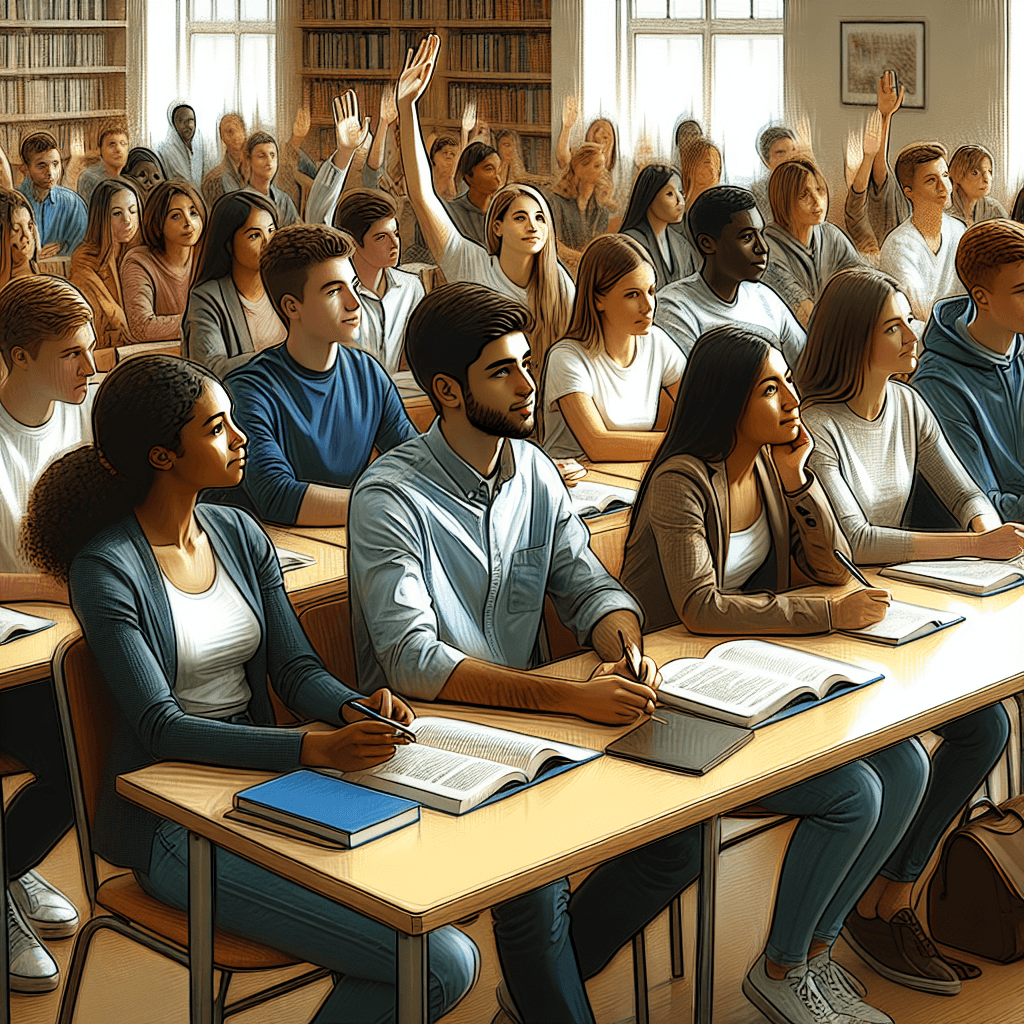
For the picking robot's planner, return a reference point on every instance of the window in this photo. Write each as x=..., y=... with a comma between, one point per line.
x=718, y=61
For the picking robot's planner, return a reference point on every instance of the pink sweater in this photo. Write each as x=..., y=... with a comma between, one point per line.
x=155, y=294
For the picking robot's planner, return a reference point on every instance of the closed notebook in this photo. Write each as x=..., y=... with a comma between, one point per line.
x=327, y=808
x=683, y=742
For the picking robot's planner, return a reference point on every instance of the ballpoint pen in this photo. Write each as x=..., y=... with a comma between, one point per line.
x=630, y=656
x=850, y=567
x=377, y=717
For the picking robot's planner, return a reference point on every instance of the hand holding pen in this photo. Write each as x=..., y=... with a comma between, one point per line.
x=633, y=660
x=862, y=607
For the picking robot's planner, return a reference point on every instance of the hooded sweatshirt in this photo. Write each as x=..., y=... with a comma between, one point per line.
x=174, y=155
x=978, y=398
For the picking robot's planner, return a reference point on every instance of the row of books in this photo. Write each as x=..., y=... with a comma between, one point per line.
x=501, y=51
x=499, y=10
x=344, y=50
x=536, y=153
x=54, y=10
x=60, y=95
x=85, y=134
x=352, y=10
x=323, y=90
x=44, y=50
x=502, y=103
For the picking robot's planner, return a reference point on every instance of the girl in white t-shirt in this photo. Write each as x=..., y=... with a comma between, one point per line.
x=610, y=385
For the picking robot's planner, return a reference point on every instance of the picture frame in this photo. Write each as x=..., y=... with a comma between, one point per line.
x=867, y=48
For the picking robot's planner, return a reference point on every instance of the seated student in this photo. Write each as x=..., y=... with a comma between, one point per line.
x=444, y=158
x=972, y=370
x=730, y=237
x=775, y=145
x=59, y=213
x=970, y=170
x=189, y=672
x=576, y=202
x=182, y=153
x=113, y=143
x=805, y=249
x=724, y=507
x=921, y=252
x=700, y=168
x=232, y=173
x=609, y=385
x=477, y=170
x=261, y=153
x=387, y=295
x=155, y=276
x=143, y=166
x=439, y=611
x=315, y=407
x=113, y=226
x=19, y=242
x=519, y=259
x=46, y=338
x=509, y=146
x=229, y=316
x=871, y=434
x=655, y=204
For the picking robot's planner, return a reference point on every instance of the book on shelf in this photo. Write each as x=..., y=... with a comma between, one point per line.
x=457, y=766
x=590, y=498
x=978, y=577
x=904, y=623
x=16, y=624
x=327, y=808
x=746, y=682
x=293, y=559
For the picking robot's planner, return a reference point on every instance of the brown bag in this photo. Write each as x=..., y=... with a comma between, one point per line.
x=976, y=896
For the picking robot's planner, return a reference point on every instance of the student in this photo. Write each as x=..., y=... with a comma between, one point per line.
x=602, y=132
x=519, y=259
x=921, y=252
x=261, y=154
x=724, y=507
x=729, y=235
x=229, y=316
x=46, y=340
x=970, y=170
x=700, y=168
x=444, y=157
x=315, y=407
x=454, y=539
x=19, y=241
x=387, y=295
x=608, y=387
x=578, y=213
x=972, y=370
x=805, y=249
x=775, y=145
x=655, y=205
x=189, y=668
x=143, y=166
x=155, y=276
x=510, y=149
x=871, y=435
x=232, y=173
x=113, y=143
x=478, y=169
x=59, y=213
x=113, y=226
x=182, y=153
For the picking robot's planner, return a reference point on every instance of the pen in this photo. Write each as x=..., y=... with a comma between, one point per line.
x=370, y=713
x=850, y=567
x=629, y=654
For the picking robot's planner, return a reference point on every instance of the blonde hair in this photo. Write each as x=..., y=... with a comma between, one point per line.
x=568, y=184
x=785, y=185
x=690, y=157
x=547, y=296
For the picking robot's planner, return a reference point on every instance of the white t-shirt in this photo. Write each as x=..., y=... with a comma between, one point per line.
x=24, y=453
x=626, y=396
x=925, y=276
x=746, y=552
x=265, y=327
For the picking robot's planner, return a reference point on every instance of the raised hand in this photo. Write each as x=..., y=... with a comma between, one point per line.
x=351, y=134
x=418, y=70
x=889, y=99
x=300, y=126
x=468, y=118
x=872, y=134
x=570, y=110
x=388, y=113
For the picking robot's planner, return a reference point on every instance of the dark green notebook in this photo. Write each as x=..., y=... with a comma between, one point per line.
x=685, y=743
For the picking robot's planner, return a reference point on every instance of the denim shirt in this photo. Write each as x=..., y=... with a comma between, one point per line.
x=440, y=571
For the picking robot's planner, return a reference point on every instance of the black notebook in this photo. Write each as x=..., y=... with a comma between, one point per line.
x=684, y=742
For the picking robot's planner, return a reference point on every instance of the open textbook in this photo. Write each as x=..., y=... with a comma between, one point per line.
x=455, y=766
x=590, y=498
x=905, y=622
x=746, y=681
x=14, y=624
x=978, y=577
x=292, y=559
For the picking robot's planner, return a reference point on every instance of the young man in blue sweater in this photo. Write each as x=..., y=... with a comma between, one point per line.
x=314, y=407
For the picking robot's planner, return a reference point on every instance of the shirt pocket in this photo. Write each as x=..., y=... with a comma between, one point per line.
x=527, y=579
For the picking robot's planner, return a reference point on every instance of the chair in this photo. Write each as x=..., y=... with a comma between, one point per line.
x=87, y=712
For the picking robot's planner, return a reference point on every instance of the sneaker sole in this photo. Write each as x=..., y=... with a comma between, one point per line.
x=54, y=929
x=31, y=986
x=933, y=985
x=767, y=1008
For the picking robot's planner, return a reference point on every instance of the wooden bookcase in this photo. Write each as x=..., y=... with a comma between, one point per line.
x=62, y=69
x=497, y=52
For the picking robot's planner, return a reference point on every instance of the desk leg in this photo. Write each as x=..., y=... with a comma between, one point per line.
x=5, y=979
x=412, y=979
x=200, y=929
x=711, y=843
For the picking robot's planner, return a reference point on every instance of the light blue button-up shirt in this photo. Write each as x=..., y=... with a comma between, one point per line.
x=440, y=571
x=61, y=217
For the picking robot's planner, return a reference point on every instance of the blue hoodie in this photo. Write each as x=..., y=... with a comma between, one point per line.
x=978, y=398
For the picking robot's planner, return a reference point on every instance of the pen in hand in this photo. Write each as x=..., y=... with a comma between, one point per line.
x=370, y=713
x=850, y=568
x=631, y=656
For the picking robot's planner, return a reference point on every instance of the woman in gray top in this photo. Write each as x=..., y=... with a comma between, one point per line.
x=970, y=170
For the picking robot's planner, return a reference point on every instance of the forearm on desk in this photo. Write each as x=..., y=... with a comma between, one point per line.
x=324, y=506
x=473, y=681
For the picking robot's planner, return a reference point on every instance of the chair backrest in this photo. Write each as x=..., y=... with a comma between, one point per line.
x=329, y=628
x=145, y=348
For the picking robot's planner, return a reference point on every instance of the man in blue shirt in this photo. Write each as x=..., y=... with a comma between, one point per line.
x=455, y=538
x=313, y=407
x=61, y=215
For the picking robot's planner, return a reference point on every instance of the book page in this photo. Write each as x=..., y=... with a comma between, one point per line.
x=292, y=559
x=729, y=686
x=14, y=624
x=588, y=495
x=901, y=620
x=981, y=573
x=431, y=769
x=775, y=660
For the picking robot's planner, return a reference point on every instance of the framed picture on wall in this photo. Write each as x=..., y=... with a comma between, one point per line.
x=867, y=48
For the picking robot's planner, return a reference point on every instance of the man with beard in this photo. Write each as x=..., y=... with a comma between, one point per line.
x=60, y=214
x=455, y=538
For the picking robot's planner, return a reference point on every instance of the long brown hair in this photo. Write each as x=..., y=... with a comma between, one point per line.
x=99, y=243
x=10, y=200
x=785, y=186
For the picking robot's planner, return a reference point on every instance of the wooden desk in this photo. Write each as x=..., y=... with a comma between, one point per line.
x=416, y=403
x=310, y=584
x=608, y=531
x=334, y=535
x=633, y=472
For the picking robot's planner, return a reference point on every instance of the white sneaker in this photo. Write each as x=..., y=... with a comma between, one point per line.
x=52, y=914
x=843, y=990
x=32, y=969
x=796, y=999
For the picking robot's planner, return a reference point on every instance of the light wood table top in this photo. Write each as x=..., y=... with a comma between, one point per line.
x=27, y=659
x=337, y=536
x=622, y=473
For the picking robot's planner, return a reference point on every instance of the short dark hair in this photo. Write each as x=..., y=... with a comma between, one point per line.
x=289, y=255
x=451, y=327
x=713, y=209
x=475, y=153
x=38, y=307
x=36, y=143
x=154, y=212
x=259, y=139
x=439, y=143
x=360, y=208
x=769, y=137
x=112, y=128
x=911, y=157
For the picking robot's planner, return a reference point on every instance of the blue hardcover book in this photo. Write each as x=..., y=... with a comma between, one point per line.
x=327, y=808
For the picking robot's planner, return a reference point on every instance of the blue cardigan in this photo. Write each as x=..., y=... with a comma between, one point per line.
x=118, y=594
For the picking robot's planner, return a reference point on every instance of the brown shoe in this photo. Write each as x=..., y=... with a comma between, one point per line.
x=901, y=951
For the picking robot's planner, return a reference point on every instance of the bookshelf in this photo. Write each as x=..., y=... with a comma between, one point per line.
x=496, y=52
x=63, y=69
